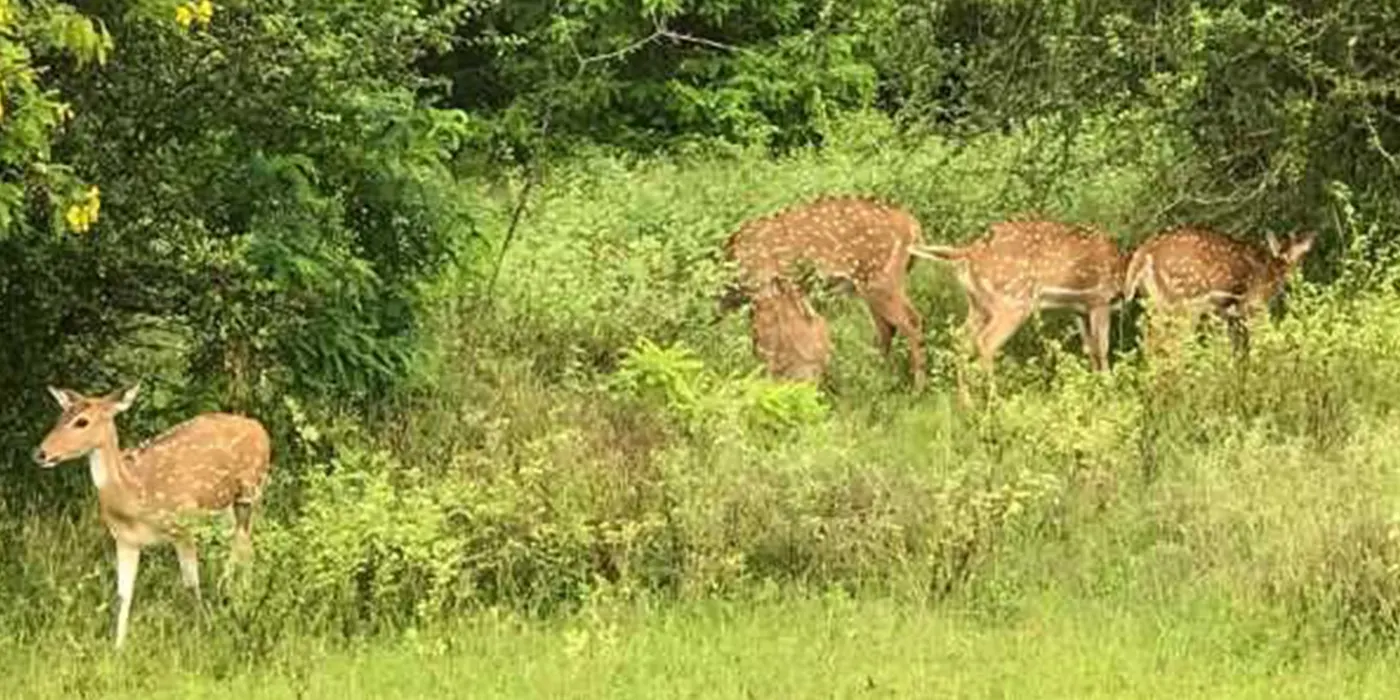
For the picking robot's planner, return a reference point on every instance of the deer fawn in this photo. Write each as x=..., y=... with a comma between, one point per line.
x=1020, y=267
x=212, y=462
x=846, y=239
x=788, y=334
x=1188, y=272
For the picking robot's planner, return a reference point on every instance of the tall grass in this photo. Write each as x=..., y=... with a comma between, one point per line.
x=589, y=432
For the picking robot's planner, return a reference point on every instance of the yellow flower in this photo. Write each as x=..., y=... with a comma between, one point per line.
x=81, y=215
x=189, y=13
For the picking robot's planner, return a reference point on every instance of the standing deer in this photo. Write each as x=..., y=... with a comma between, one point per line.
x=212, y=462
x=846, y=239
x=1020, y=267
x=788, y=334
x=1189, y=272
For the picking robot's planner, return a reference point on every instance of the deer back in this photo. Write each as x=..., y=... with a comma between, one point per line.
x=1024, y=260
x=854, y=238
x=1191, y=264
x=206, y=463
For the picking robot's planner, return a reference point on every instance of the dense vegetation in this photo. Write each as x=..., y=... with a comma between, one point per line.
x=461, y=257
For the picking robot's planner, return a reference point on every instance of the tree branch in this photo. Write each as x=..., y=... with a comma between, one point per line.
x=532, y=176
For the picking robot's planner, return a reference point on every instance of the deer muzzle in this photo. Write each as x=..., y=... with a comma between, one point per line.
x=44, y=459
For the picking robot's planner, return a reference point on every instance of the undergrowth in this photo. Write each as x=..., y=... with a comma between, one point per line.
x=591, y=432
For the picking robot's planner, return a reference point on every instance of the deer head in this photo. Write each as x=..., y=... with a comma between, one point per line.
x=788, y=334
x=85, y=424
x=1288, y=254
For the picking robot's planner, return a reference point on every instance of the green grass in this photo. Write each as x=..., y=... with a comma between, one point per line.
x=788, y=648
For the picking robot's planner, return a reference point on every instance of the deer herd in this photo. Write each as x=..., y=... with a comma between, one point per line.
x=1016, y=269
x=219, y=462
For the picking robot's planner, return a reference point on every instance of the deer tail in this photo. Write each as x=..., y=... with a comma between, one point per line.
x=938, y=252
x=1139, y=267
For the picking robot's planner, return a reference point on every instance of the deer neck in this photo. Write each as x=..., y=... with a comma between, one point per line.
x=105, y=464
x=1270, y=281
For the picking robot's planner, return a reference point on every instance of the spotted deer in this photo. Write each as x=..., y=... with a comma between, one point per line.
x=1021, y=267
x=212, y=462
x=788, y=334
x=847, y=240
x=1188, y=272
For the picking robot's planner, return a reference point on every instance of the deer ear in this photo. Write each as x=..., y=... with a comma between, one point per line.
x=1300, y=246
x=125, y=398
x=1273, y=244
x=64, y=397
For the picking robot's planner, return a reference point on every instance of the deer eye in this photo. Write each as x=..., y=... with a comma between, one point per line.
x=80, y=423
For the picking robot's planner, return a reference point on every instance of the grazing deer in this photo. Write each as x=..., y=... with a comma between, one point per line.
x=212, y=462
x=788, y=334
x=1020, y=267
x=845, y=239
x=1188, y=272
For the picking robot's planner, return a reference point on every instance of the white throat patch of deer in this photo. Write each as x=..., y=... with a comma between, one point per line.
x=1189, y=271
x=1020, y=267
x=852, y=240
x=210, y=463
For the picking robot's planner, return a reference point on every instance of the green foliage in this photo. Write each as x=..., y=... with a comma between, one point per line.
x=655, y=74
x=1272, y=106
x=674, y=380
x=36, y=37
x=276, y=203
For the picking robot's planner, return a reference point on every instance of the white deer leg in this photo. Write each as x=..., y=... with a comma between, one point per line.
x=189, y=566
x=128, y=561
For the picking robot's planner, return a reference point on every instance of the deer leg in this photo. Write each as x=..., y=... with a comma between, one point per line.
x=1096, y=336
x=884, y=336
x=999, y=328
x=1239, y=333
x=188, y=554
x=242, y=548
x=892, y=308
x=996, y=331
x=189, y=566
x=977, y=318
x=884, y=332
x=912, y=326
x=1081, y=323
x=128, y=561
x=971, y=329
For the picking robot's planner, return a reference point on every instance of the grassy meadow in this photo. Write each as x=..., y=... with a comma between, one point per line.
x=593, y=493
